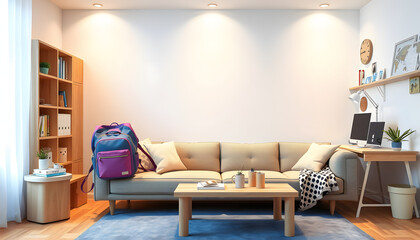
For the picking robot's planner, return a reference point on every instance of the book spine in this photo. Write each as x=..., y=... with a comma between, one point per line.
x=59, y=67
x=40, y=125
x=65, y=98
x=48, y=125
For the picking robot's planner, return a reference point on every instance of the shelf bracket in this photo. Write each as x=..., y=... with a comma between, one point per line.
x=381, y=90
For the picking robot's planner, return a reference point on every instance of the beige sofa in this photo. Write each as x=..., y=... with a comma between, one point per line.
x=220, y=161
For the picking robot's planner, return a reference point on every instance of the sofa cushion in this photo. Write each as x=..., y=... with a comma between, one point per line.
x=145, y=162
x=150, y=183
x=316, y=157
x=165, y=157
x=290, y=153
x=295, y=175
x=199, y=156
x=260, y=156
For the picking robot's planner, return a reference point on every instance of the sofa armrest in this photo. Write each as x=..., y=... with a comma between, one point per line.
x=344, y=165
x=101, y=190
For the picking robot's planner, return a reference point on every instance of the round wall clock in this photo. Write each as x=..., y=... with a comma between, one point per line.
x=366, y=51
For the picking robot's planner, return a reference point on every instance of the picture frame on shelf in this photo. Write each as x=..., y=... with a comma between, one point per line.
x=414, y=85
x=417, y=48
x=373, y=68
x=381, y=74
x=374, y=77
x=368, y=80
x=361, y=76
x=405, y=56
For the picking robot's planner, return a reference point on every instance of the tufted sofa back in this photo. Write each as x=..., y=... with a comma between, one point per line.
x=199, y=156
x=260, y=156
x=223, y=157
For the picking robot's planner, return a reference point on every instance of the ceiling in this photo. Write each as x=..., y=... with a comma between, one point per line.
x=202, y=4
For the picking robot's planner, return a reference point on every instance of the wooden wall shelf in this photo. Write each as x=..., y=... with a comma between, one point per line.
x=389, y=80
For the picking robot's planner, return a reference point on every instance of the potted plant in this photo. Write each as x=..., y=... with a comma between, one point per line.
x=43, y=161
x=44, y=67
x=395, y=136
x=239, y=179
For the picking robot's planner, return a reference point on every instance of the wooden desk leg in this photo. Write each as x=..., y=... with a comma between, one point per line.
x=184, y=215
x=277, y=208
x=410, y=180
x=380, y=182
x=362, y=194
x=289, y=217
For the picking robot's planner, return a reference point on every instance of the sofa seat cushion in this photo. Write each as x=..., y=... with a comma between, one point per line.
x=295, y=175
x=151, y=183
x=270, y=176
x=290, y=177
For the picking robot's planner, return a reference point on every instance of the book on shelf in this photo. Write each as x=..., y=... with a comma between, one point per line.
x=63, y=99
x=44, y=125
x=62, y=68
x=210, y=185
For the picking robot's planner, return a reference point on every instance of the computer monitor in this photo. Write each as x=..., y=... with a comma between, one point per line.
x=375, y=133
x=360, y=127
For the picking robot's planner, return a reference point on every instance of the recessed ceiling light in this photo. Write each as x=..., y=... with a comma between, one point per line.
x=212, y=5
x=324, y=5
x=98, y=5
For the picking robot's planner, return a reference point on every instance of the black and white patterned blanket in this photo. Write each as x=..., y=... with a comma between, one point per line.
x=314, y=185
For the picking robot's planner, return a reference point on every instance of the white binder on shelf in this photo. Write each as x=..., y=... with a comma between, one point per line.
x=68, y=124
x=60, y=124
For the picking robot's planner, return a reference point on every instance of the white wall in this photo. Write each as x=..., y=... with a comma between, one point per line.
x=386, y=22
x=46, y=22
x=241, y=76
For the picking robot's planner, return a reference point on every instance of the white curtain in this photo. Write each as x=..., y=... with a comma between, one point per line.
x=15, y=69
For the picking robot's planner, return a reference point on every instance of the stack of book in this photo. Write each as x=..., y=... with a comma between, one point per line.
x=62, y=68
x=210, y=185
x=50, y=172
x=44, y=125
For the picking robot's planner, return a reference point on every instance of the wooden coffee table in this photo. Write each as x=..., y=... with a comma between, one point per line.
x=186, y=191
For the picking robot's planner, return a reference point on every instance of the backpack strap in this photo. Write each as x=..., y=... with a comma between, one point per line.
x=84, y=181
x=148, y=156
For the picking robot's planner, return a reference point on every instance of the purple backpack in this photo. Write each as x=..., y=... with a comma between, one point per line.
x=114, y=149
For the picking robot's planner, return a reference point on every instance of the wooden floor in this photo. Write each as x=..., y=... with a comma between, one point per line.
x=377, y=222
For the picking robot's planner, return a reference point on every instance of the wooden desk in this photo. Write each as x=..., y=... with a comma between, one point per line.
x=382, y=155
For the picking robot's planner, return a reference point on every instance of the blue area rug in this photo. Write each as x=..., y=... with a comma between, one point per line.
x=226, y=223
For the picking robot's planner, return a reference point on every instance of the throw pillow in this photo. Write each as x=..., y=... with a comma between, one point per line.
x=165, y=157
x=316, y=157
x=145, y=162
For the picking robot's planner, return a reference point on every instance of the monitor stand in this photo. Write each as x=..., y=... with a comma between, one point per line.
x=357, y=143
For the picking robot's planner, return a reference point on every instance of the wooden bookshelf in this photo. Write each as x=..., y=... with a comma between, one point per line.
x=46, y=102
x=389, y=80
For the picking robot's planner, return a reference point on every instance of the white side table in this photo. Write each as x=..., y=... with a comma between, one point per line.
x=48, y=198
